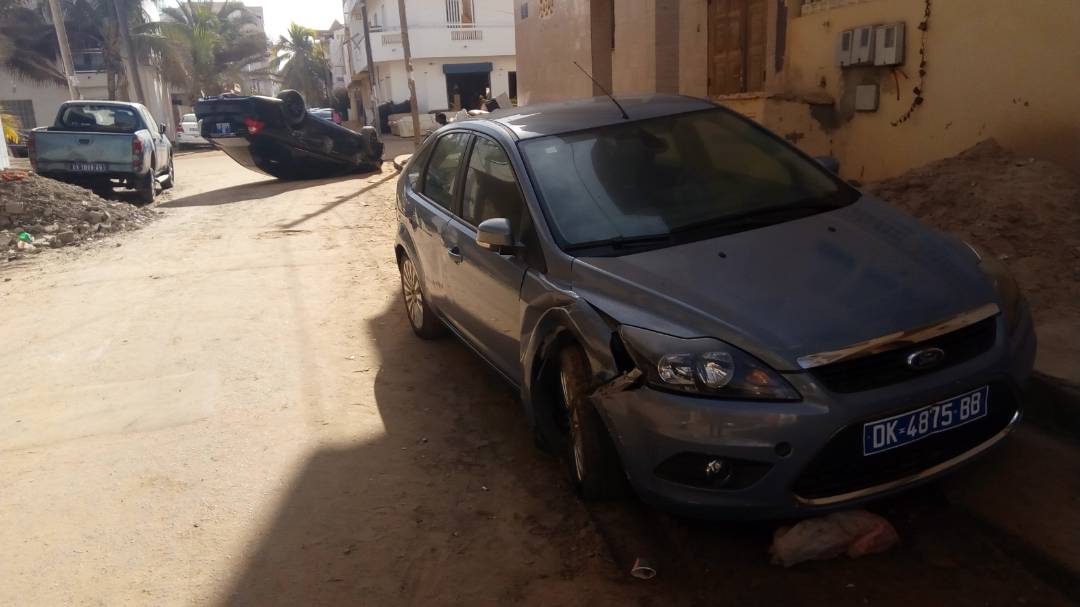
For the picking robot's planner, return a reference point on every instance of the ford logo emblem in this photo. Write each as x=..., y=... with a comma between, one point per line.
x=926, y=358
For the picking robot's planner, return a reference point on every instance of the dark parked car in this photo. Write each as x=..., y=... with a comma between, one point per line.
x=687, y=302
x=279, y=137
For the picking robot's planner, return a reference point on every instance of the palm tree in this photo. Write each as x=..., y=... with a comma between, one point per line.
x=302, y=64
x=28, y=44
x=216, y=43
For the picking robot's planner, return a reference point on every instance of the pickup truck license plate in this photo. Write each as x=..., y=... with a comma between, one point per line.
x=222, y=128
x=88, y=167
x=898, y=430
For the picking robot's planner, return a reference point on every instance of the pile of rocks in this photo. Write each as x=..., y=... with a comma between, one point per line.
x=37, y=213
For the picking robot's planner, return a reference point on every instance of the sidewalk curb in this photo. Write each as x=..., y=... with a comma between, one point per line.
x=1053, y=404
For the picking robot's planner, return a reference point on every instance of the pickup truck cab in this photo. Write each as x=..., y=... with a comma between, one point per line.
x=104, y=144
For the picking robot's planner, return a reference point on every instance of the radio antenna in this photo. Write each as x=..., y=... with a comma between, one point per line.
x=604, y=90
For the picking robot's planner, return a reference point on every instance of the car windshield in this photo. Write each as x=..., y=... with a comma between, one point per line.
x=106, y=118
x=673, y=179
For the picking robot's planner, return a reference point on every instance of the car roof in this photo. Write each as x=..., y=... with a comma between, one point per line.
x=543, y=119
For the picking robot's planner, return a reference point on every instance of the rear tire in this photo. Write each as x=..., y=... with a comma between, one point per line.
x=421, y=318
x=147, y=188
x=591, y=460
x=294, y=108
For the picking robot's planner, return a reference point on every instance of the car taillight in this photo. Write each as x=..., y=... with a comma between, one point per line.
x=31, y=151
x=253, y=126
x=136, y=153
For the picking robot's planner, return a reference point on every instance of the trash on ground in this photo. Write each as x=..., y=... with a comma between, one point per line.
x=854, y=532
x=643, y=569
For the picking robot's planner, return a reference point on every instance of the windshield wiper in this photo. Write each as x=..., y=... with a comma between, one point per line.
x=622, y=242
x=755, y=217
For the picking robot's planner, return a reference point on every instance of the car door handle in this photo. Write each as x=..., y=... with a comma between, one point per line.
x=455, y=254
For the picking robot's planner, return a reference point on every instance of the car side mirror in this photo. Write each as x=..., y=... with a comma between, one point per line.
x=495, y=234
x=830, y=163
x=161, y=129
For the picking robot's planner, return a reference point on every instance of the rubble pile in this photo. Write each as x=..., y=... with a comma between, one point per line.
x=1025, y=211
x=37, y=213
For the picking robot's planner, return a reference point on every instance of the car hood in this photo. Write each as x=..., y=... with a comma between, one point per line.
x=801, y=287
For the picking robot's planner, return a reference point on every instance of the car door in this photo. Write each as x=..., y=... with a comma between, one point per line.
x=483, y=286
x=161, y=143
x=430, y=188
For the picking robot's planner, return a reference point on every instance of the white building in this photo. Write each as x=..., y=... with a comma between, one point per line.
x=462, y=50
x=36, y=104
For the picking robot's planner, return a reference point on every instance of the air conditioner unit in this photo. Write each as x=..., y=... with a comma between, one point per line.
x=843, y=48
x=889, y=44
x=862, y=50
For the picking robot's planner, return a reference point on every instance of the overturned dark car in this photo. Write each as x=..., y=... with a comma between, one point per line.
x=277, y=136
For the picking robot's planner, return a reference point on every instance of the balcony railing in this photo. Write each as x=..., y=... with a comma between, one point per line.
x=467, y=34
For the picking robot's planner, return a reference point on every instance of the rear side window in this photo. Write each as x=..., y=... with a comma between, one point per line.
x=100, y=118
x=416, y=167
x=442, y=172
x=491, y=189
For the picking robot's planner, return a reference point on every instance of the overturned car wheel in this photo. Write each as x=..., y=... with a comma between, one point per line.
x=294, y=107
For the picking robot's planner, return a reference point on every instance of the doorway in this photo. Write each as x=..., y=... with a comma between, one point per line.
x=737, y=37
x=465, y=91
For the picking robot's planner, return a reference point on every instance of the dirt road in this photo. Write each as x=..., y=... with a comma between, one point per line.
x=228, y=408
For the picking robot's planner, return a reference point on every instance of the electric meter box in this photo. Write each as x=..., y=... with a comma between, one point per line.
x=843, y=48
x=862, y=47
x=889, y=44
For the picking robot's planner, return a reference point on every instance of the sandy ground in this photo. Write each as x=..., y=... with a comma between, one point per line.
x=227, y=407
x=230, y=408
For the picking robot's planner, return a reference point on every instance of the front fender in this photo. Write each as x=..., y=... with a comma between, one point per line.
x=554, y=314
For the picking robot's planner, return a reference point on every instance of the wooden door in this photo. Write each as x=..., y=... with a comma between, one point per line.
x=737, y=40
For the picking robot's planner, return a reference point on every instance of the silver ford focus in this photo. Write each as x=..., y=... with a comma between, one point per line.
x=694, y=310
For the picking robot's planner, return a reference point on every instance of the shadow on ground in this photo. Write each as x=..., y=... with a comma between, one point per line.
x=256, y=190
x=451, y=506
x=454, y=506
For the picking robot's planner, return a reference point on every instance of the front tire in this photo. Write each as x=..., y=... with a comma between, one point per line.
x=294, y=108
x=592, y=463
x=170, y=177
x=421, y=318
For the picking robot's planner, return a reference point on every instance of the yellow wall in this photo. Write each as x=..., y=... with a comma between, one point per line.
x=995, y=68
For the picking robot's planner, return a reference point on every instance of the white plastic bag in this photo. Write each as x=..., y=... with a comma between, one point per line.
x=854, y=532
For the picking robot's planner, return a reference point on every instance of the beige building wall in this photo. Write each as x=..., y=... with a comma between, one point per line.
x=548, y=45
x=995, y=68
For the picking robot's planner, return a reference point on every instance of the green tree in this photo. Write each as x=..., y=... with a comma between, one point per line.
x=215, y=44
x=302, y=64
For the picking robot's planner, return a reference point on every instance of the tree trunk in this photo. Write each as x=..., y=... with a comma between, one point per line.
x=131, y=66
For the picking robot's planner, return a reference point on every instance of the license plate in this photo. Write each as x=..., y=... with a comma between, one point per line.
x=88, y=167
x=223, y=128
x=898, y=430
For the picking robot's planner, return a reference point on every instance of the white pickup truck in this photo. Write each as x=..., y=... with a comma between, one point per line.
x=104, y=144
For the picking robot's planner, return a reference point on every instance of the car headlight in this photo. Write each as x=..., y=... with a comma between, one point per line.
x=1011, y=299
x=703, y=366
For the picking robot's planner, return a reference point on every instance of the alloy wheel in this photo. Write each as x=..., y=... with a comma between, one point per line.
x=414, y=296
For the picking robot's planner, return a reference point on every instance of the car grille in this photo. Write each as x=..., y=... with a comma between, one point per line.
x=887, y=368
x=840, y=467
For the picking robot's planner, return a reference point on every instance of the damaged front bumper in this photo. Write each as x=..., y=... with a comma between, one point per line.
x=715, y=458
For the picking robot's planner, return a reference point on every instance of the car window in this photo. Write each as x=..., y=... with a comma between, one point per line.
x=491, y=190
x=107, y=118
x=188, y=118
x=416, y=168
x=673, y=179
x=442, y=171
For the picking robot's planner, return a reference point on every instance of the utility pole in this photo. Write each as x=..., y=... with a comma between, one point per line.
x=131, y=68
x=373, y=117
x=408, y=73
x=65, y=50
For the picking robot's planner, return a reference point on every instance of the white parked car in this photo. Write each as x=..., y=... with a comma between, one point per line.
x=189, y=132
